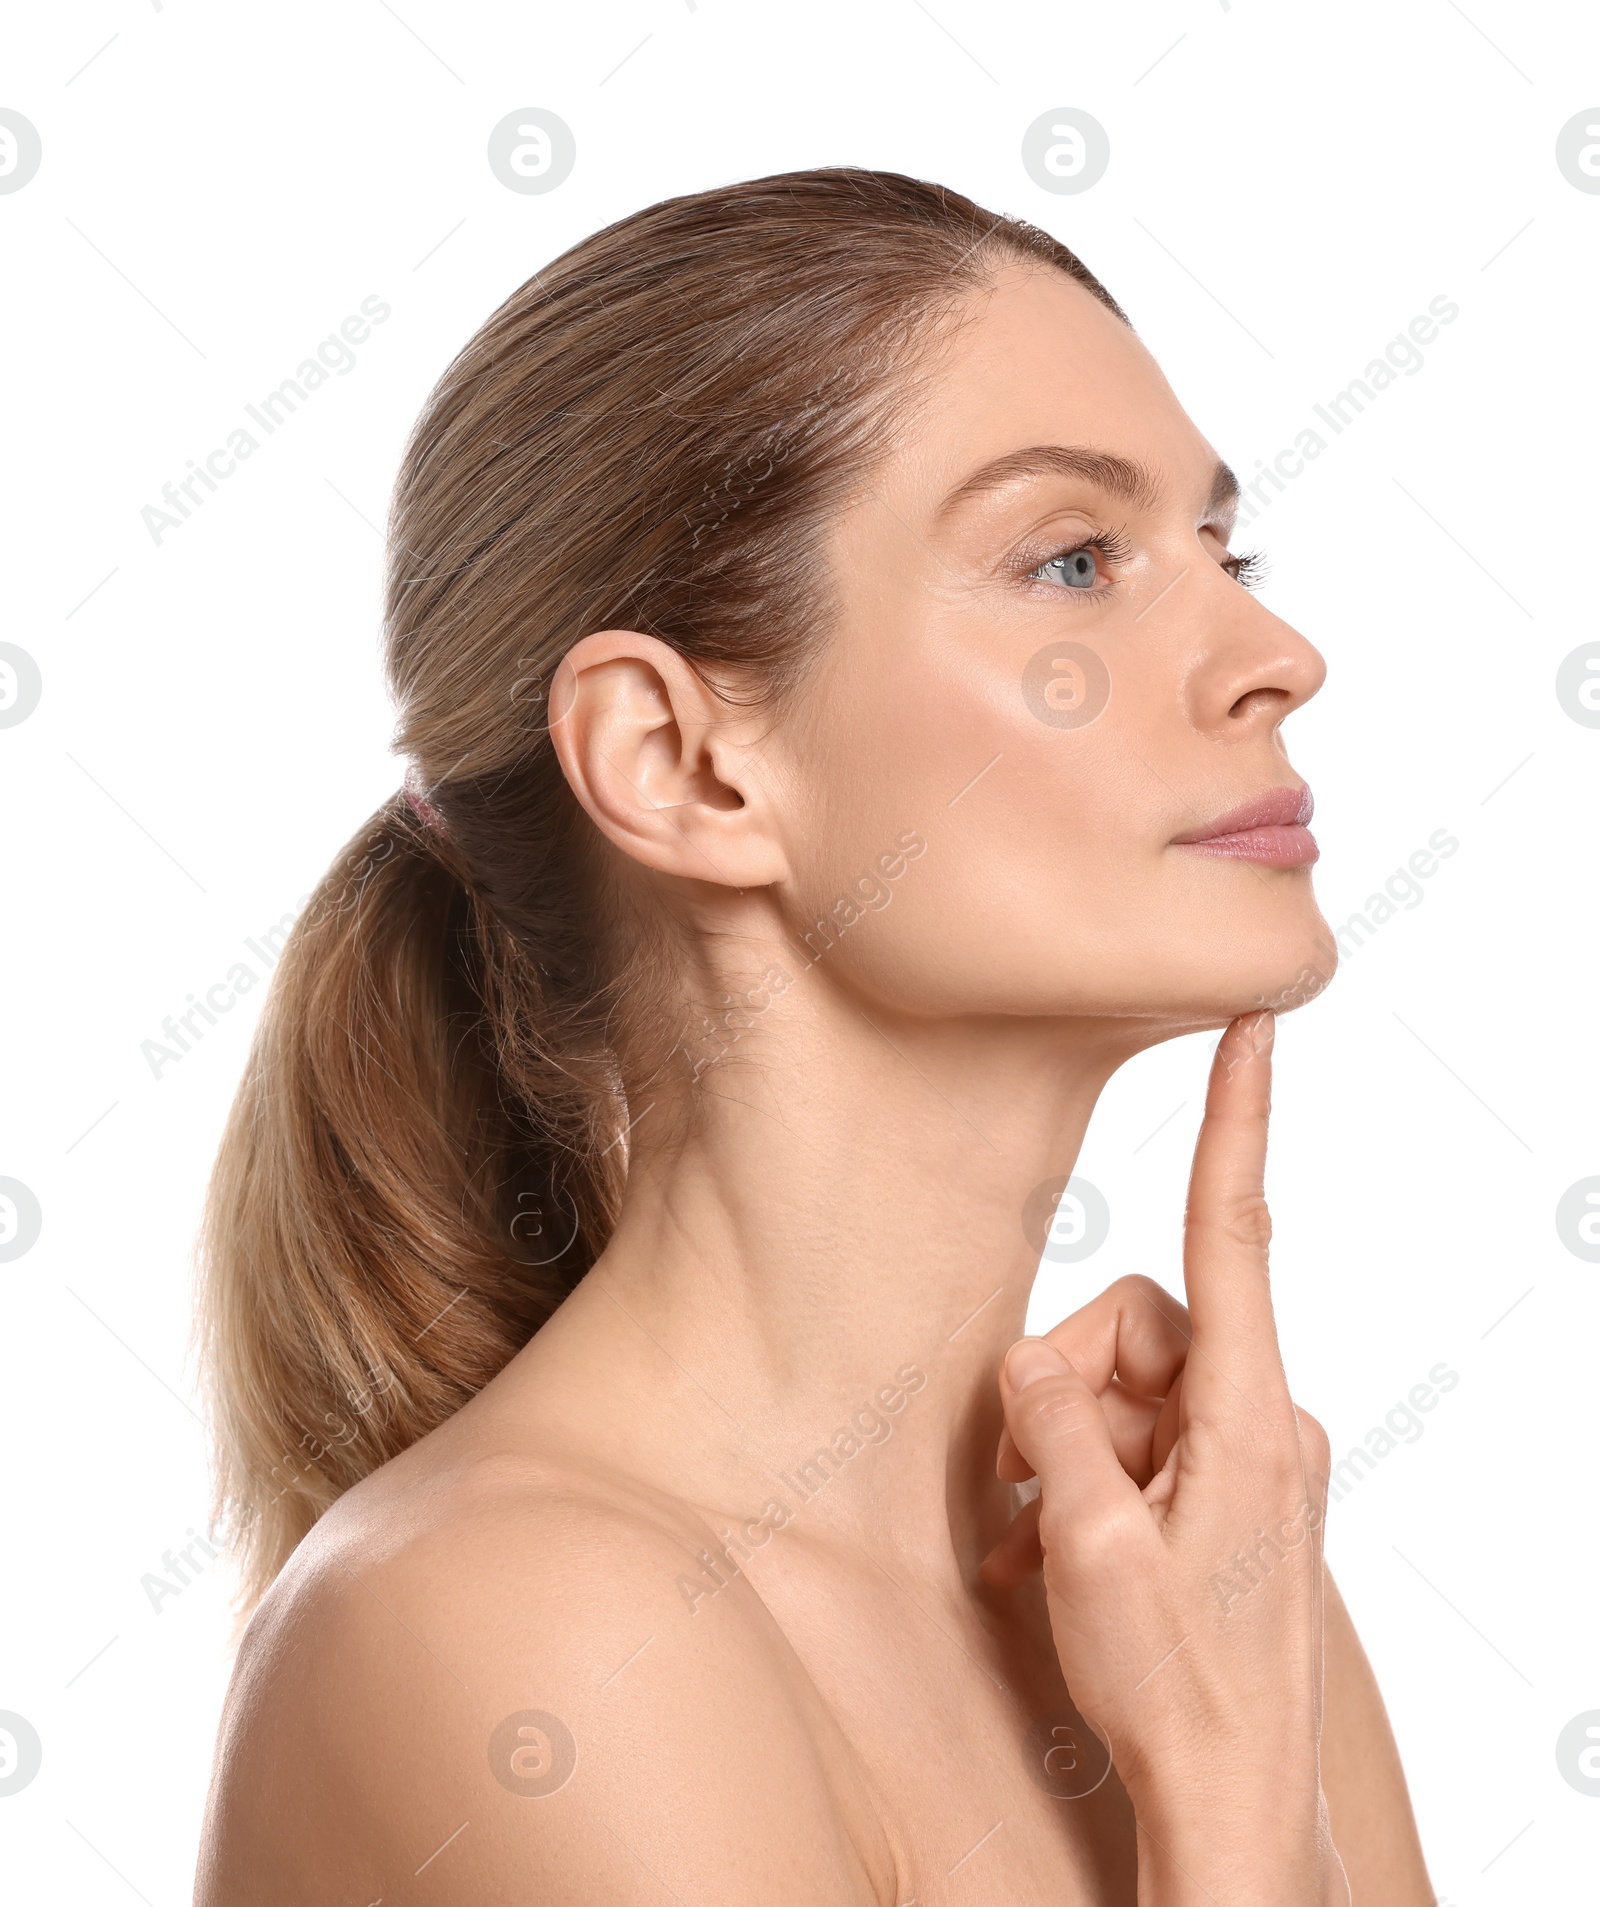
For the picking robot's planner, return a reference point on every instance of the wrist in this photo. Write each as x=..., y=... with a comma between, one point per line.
x=1262, y=1845
x=1203, y=1875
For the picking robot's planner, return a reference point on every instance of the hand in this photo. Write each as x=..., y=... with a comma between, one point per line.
x=1128, y=1345
x=1179, y=1521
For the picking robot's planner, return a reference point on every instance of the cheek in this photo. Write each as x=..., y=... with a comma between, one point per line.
x=1041, y=847
x=1033, y=875
x=933, y=743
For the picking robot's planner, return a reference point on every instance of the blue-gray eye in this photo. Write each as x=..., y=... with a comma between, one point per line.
x=1076, y=570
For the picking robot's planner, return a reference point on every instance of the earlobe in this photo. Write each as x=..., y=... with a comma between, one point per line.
x=653, y=754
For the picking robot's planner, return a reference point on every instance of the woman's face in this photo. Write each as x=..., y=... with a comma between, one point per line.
x=1049, y=671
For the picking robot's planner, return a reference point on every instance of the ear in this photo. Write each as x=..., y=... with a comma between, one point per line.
x=662, y=765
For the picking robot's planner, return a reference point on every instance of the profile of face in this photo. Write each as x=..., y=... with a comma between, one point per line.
x=1045, y=667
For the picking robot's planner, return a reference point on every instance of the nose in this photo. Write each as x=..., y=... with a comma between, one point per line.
x=1257, y=671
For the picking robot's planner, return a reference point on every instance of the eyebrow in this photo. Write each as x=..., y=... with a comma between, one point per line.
x=1135, y=483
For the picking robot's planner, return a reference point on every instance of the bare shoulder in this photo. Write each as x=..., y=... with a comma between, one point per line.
x=487, y=1681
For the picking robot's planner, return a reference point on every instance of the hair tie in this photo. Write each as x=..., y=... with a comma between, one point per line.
x=421, y=806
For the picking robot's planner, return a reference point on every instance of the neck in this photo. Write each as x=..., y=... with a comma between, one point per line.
x=832, y=1239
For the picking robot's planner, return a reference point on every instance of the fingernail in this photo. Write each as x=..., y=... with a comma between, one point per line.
x=1029, y=1359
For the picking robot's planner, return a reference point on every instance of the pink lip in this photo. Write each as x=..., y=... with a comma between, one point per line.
x=1271, y=829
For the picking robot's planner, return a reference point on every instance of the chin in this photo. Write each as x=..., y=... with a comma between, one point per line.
x=1293, y=972
x=1276, y=966
x=1297, y=990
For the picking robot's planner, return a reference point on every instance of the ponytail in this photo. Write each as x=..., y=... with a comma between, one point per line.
x=388, y=1223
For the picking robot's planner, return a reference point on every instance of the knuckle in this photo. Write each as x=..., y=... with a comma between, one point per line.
x=1237, y=1218
x=1057, y=1411
x=1084, y=1542
x=1245, y=1221
x=1314, y=1442
x=1270, y=1449
x=1212, y=1442
x=1144, y=1290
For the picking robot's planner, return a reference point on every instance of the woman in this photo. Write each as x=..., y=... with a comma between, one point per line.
x=839, y=739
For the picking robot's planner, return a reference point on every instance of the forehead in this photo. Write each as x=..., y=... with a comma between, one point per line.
x=1037, y=360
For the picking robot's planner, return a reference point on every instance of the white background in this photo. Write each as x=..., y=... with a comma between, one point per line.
x=1288, y=187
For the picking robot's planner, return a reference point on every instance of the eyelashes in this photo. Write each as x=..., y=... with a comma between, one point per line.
x=1248, y=568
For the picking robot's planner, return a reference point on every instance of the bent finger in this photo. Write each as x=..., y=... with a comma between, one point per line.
x=1135, y=1330
x=1060, y=1429
x=1128, y=1342
x=1132, y=1421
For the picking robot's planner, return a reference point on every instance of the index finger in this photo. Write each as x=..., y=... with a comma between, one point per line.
x=1227, y=1227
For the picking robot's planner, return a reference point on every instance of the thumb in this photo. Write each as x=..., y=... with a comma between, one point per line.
x=1057, y=1423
